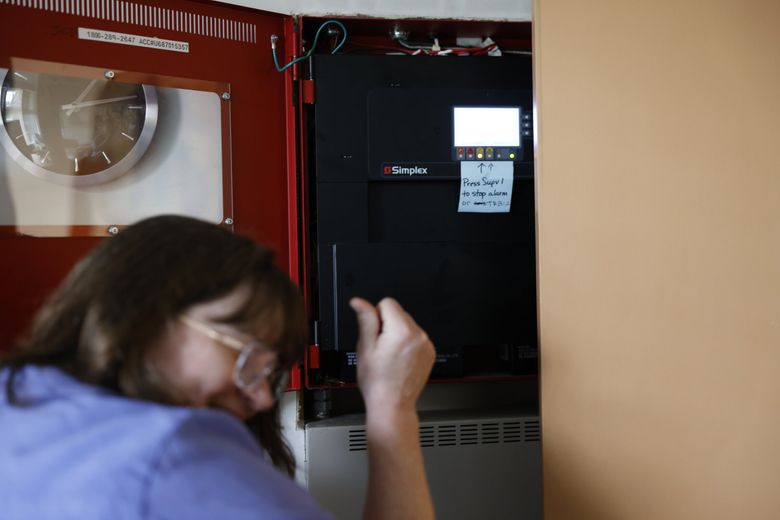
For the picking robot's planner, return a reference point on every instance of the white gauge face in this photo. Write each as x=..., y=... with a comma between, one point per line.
x=76, y=131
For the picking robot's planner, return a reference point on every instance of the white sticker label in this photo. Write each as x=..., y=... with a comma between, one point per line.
x=485, y=187
x=133, y=39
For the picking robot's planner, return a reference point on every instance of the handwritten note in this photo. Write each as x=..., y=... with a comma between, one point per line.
x=485, y=187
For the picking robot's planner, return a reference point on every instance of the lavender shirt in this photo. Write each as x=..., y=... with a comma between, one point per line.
x=81, y=452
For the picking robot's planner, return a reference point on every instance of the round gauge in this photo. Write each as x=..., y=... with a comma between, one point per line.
x=76, y=131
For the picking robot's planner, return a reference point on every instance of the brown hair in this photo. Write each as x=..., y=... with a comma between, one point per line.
x=118, y=300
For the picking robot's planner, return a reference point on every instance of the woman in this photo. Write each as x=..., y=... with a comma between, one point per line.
x=127, y=399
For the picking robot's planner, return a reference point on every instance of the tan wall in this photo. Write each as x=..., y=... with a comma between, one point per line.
x=659, y=257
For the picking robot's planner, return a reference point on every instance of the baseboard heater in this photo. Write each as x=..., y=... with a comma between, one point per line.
x=481, y=465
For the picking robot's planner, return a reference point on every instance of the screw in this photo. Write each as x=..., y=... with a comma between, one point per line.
x=109, y=74
x=229, y=221
x=399, y=34
x=226, y=96
x=112, y=230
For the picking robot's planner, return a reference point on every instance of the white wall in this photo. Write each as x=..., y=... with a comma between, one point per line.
x=509, y=10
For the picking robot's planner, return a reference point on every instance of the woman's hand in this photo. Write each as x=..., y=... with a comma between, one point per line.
x=394, y=360
x=394, y=356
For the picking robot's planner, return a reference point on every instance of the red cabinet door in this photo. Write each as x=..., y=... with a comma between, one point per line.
x=226, y=44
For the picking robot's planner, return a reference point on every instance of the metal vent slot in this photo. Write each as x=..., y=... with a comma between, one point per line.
x=489, y=433
x=512, y=432
x=532, y=432
x=427, y=437
x=135, y=13
x=448, y=435
x=469, y=434
x=357, y=440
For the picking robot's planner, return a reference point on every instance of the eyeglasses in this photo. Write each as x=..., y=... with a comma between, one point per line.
x=256, y=362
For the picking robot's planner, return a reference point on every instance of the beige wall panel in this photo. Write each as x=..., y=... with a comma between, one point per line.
x=659, y=258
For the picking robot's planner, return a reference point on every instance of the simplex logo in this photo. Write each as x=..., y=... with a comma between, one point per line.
x=404, y=170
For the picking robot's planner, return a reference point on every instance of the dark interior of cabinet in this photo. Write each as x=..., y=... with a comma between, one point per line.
x=353, y=247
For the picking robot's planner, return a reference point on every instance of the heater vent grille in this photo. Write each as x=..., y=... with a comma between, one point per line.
x=463, y=434
x=531, y=431
x=357, y=440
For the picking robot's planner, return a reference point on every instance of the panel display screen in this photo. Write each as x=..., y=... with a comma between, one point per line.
x=486, y=126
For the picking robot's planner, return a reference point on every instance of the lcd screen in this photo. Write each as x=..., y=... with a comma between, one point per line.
x=486, y=126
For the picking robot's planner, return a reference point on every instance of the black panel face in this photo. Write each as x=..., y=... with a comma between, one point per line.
x=456, y=291
x=385, y=198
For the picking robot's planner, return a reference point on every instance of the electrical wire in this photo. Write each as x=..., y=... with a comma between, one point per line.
x=403, y=43
x=313, y=45
x=435, y=50
x=355, y=46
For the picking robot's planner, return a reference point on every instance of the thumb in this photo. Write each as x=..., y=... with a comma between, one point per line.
x=368, y=322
